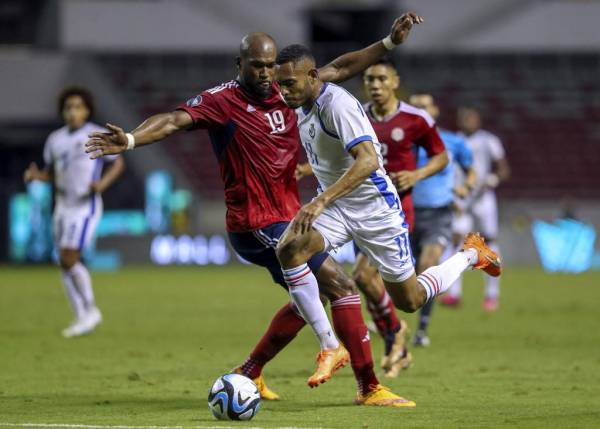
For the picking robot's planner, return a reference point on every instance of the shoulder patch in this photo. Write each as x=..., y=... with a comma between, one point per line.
x=194, y=101
x=409, y=108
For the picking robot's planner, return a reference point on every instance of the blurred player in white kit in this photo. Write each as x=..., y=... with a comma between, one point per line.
x=480, y=209
x=78, y=184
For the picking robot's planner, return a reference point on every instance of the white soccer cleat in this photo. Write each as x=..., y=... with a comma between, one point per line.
x=93, y=318
x=77, y=328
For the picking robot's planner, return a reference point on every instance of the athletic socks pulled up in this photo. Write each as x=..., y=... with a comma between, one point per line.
x=304, y=291
x=383, y=313
x=350, y=326
x=282, y=330
x=438, y=279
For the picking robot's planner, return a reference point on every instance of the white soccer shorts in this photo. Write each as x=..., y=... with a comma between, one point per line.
x=382, y=236
x=481, y=216
x=74, y=227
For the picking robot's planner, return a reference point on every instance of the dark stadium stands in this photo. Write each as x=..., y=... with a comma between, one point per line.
x=545, y=108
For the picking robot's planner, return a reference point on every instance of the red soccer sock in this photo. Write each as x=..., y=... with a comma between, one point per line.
x=283, y=329
x=350, y=327
x=384, y=315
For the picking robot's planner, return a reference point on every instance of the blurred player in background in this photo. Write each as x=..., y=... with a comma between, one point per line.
x=480, y=210
x=433, y=198
x=255, y=139
x=356, y=199
x=78, y=183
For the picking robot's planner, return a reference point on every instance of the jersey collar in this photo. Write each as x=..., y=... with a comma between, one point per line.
x=323, y=88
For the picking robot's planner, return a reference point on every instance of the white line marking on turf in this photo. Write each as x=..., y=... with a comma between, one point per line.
x=84, y=426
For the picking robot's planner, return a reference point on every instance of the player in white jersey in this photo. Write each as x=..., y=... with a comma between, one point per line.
x=78, y=183
x=480, y=210
x=356, y=199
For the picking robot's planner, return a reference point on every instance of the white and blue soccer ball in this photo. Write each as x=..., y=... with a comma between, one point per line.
x=234, y=397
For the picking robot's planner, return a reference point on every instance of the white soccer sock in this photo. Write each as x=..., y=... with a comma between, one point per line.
x=438, y=279
x=73, y=295
x=492, y=284
x=304, y=292
x=83, y=283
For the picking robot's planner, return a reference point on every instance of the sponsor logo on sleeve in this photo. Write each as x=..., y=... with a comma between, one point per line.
x=194, y=101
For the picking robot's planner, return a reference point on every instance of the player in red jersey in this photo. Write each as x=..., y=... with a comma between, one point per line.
x=399, y=127
x=255, y=139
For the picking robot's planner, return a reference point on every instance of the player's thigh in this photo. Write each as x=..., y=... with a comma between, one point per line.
x=333, y=281
x=367, y=277
x=462, y=223
x=78, y=229
x=435, y=234
x=485, y=211
x=406, y=294
x=383, y=237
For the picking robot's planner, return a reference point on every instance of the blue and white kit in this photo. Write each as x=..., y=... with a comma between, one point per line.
x=371, y=215
x=77, y=210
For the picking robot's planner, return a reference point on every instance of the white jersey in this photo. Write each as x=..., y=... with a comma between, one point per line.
x=336, y=123
x=74, y=171
x=487, y=149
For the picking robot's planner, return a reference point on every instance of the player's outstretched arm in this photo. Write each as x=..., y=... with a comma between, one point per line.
x=404, y=180
x=355, y=62
x=114, y=170
x=365, y=163
x=153, y=129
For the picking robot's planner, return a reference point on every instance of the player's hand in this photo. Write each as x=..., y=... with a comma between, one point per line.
x=96, y=188
x=402, y=26
x=462, y=191
x=304, y=219
x=404, y=180
x=32, y=173
x=303, y=170
x=111, y=143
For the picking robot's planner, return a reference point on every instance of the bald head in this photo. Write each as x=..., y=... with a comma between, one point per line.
x=256, y=64
x=257, y=44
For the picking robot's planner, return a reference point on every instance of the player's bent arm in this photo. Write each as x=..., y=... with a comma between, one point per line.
x=355, y=62
x=114, y=170
x=365, y=163
x=34, y=173
x=434, y=165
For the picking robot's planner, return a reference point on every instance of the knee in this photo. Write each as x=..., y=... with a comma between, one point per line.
x=407, y=304
x=289, y=251
x=68, y=259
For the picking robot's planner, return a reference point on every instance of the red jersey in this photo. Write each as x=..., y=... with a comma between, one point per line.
x=398, y=134
x=256, y=144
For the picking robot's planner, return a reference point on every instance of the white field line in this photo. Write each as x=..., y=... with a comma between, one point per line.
x=85, y=426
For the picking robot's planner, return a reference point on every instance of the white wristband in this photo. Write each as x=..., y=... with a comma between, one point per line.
x=130, y=141
x=388, y=43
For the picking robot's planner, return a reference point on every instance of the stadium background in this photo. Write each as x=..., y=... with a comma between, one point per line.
x=531, y=67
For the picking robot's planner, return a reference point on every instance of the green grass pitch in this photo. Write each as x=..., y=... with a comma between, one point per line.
x=169, y=332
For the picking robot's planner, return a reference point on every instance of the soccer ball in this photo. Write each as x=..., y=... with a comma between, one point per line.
x=234, y=397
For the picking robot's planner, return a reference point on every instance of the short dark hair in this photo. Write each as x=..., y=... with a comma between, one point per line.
x=386, y=61
x=84, y=93
x=294, y=53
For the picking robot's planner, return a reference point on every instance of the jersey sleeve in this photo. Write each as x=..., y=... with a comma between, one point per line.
x=206, y=109
x=496, y=148
x=345, y=119
x=462, y=153
x=429, y=138
x=48, y=161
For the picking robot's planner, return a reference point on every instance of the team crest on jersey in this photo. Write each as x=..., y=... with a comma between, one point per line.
x=397, y=134
x=194, y=101
x=311, y=131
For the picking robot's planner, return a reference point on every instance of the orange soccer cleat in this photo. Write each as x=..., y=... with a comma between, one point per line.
x=328, y=362
x=265, y=393
x=380, y=396
x=488, y=260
